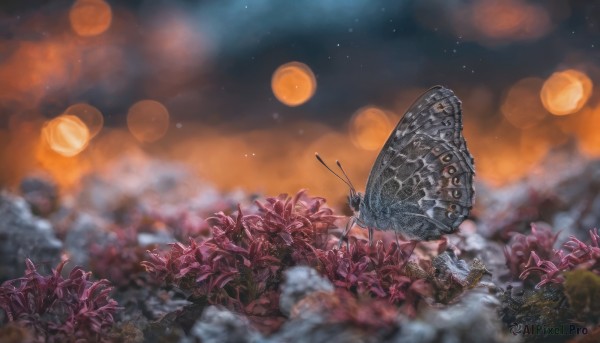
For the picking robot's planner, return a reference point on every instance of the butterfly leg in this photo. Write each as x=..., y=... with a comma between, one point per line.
x=344, y=236
x=407, y=251
x=370, y=236
x=413, y=245
x=407, y=248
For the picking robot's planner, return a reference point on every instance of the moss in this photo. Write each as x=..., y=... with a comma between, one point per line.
x=453, y=276
x=593, y=336
x=126, y=332
x=414, y=271
x=476, y=272
x=545, y=308
x=15, y=333
x=582, y=288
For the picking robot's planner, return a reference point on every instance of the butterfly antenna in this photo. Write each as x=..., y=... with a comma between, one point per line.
x=334, y=173
x=346, y=175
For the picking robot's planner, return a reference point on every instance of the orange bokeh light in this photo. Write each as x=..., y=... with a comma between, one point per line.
x=522, y=106
x=566, y=92
x=587, y=130
x=89, y=115
x=148, y=120
x=34, y=67
x=369, y=128
x=502, y=155
x=509, y=19
x=293, y=83
x=66, y=135
x=90, y=17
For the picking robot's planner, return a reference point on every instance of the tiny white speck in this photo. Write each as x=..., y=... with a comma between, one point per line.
x=464, y=66
x=245, y=155
x=338, y=44
x=350, y=30
x=179, y=125
x=454, y=50
x=253, y=154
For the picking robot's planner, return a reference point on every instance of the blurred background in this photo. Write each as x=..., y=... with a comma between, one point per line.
x=244, y=92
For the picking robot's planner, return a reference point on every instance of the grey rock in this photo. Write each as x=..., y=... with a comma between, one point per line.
x=223, y=326
x=22, y=236
x=138, y=181
x=316, y=330
x=84, y=231
x=566, y=198
x=299, y=282
x=472, y=320
x=158, y=238
x=417, y=332
x=41, y=193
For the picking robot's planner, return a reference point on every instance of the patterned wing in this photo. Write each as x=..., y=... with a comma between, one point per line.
x=436, y=113
x=422, y=181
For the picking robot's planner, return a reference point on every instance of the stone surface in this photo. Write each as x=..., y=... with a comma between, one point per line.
x=299, y=282
x=22, y=236
x=222, y=326
x=41, y=193
x=472, y=320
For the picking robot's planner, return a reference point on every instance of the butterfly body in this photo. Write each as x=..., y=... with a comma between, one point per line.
x=421, y=184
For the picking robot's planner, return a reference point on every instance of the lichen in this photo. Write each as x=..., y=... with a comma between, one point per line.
x=582, y=288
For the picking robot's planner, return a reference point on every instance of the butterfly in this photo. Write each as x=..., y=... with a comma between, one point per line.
x=421, y=185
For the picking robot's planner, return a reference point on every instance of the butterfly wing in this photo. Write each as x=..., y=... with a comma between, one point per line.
x=422, y=181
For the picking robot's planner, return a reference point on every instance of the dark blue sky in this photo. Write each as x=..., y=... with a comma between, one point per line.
x=361, y=51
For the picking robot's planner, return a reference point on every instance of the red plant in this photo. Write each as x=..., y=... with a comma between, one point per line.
x=181, y=222
x=580, y=253
x=520, y=248
x=577, y=255
x=370, y=315
x=241, y=265
x=59, y=309
x=377, y=271
x=119, y=258
x=550, y=273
